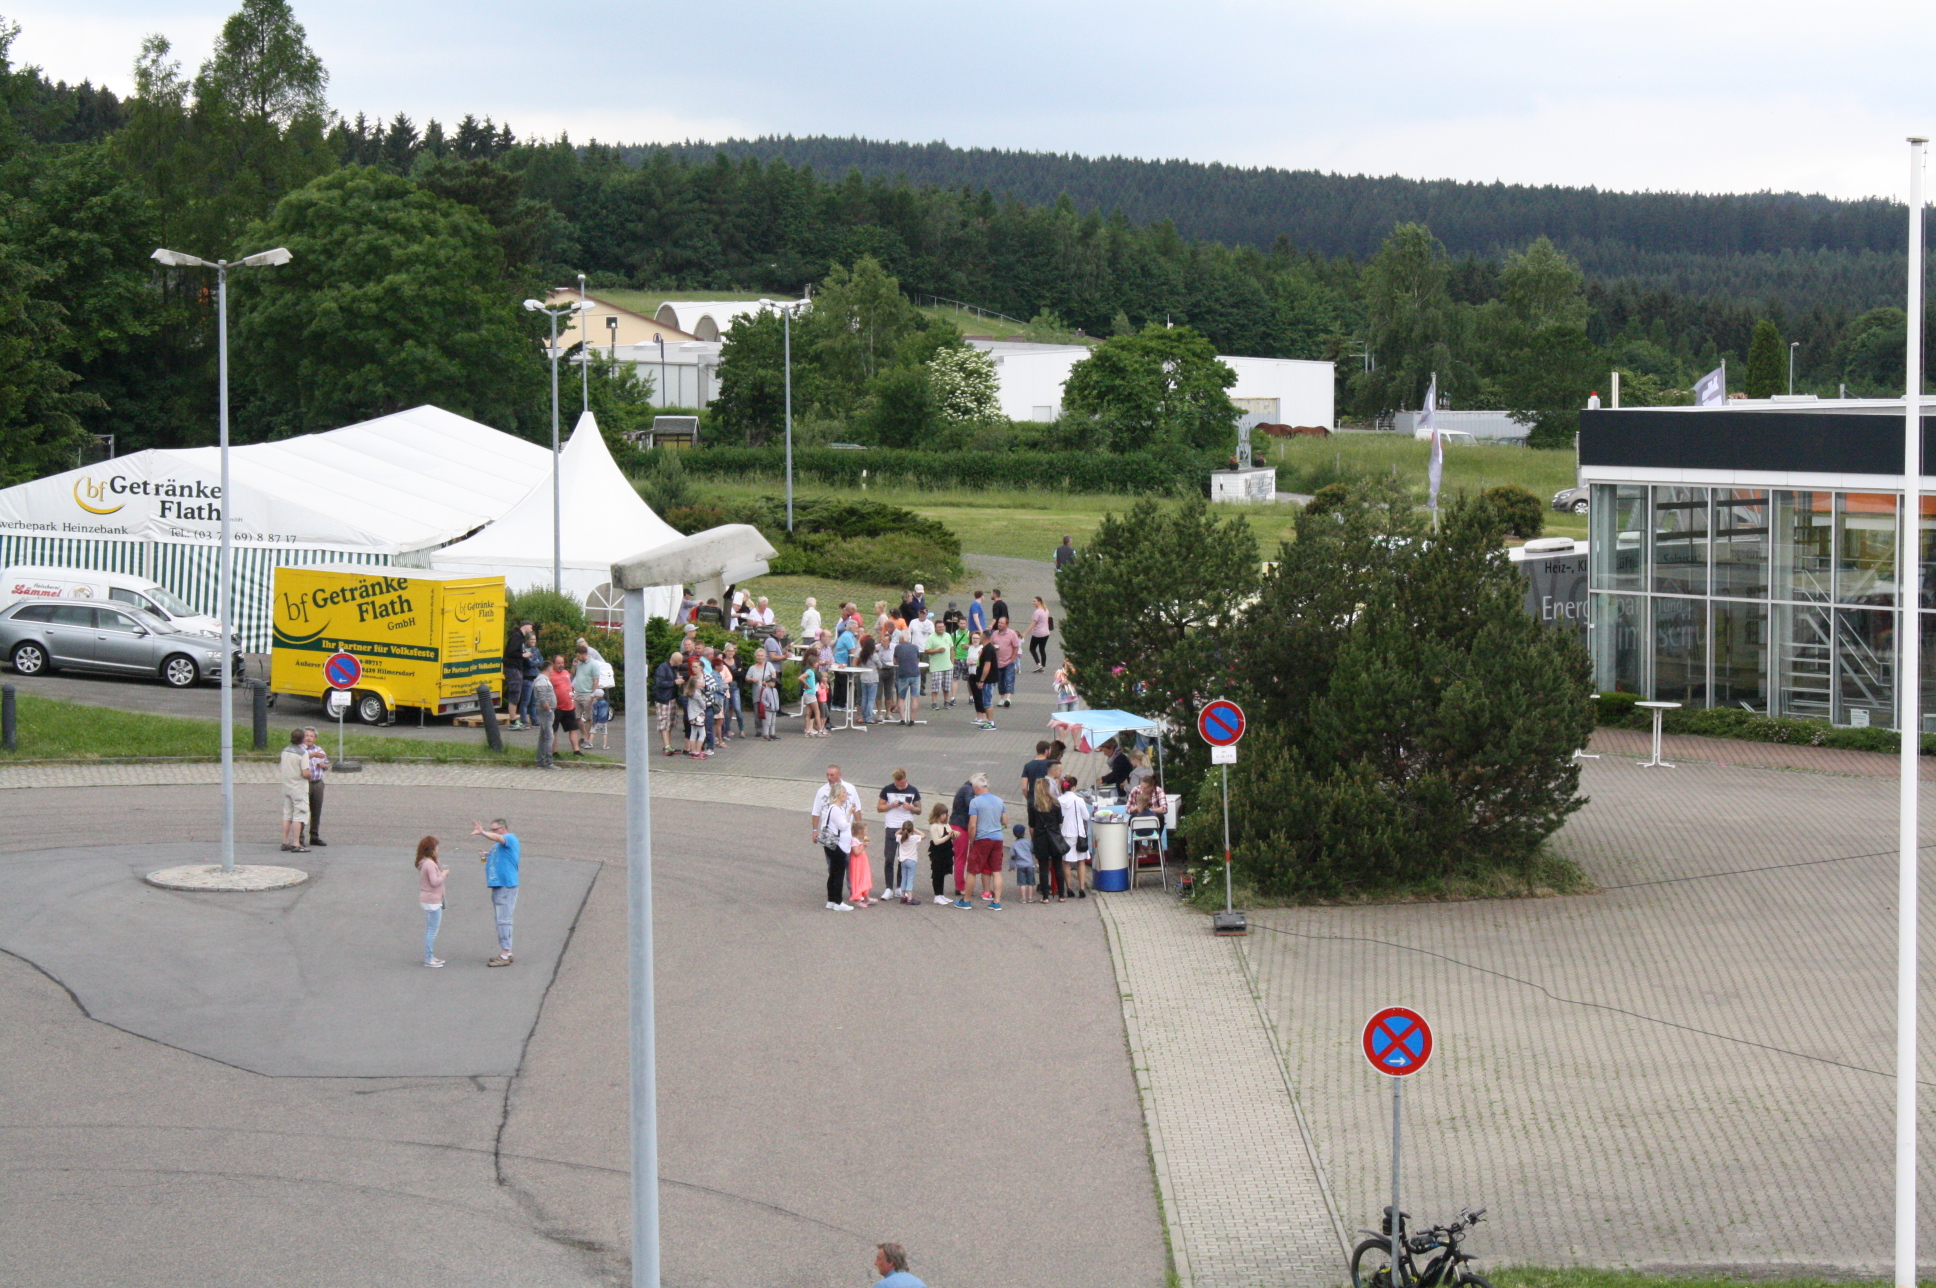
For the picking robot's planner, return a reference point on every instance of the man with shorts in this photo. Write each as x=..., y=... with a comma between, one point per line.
x=986, y=819
x=292, y=771
x=665, y=696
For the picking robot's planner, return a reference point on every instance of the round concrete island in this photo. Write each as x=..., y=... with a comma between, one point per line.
x=209, y=876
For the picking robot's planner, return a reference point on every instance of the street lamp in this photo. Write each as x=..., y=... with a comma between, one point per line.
x=581, y=305
x=732, y=553
x=786, y=312
x=225, y=577
x=1792, y=346
x=585, y=350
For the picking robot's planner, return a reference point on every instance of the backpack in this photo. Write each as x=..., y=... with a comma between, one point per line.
x=606, y=676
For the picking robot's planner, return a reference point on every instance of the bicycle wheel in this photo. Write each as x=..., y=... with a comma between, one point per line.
x=1371, y=1265
x=1469, y=1280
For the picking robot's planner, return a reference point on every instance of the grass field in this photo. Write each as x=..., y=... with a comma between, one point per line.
x=1540, y=1277
x=53, y=730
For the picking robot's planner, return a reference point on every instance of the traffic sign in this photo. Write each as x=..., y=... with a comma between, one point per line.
x=1223, y=755
x=1398, y=1041
x=342, y=670
x=1221, y=723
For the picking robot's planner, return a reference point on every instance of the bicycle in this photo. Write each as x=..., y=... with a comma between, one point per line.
x=1371, y=1261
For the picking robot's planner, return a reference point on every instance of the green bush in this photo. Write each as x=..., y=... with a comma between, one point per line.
x=538, y=605
x=688, y=519
x=1327, y=498
x=1161, y=472
x=1517, y=508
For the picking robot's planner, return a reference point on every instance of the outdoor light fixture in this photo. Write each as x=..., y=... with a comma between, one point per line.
x=557, y=529
x=225, y=579
x=786, y=316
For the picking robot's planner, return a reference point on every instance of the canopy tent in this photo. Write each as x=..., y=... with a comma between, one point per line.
x=1085, y=731
x=366, y=493
x=603, y=520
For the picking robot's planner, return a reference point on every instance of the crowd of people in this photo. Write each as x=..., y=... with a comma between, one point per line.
x=970, y=840
x=865, y=671
x=558, y=696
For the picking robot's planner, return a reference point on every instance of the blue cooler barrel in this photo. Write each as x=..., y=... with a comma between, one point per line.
x=1109, y=837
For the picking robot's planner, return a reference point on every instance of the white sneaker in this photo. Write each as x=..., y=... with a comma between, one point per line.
x=840, y=907
x=942, y=898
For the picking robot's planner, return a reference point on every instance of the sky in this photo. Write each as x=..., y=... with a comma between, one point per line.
x=1680, y=95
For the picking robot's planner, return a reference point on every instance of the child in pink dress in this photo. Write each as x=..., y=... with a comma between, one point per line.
x=860, y=869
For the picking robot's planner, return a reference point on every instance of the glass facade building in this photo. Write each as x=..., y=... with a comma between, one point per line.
x=1750, y=557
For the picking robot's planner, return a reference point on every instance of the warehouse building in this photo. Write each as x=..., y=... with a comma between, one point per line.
x=1747, y=555
x=1269, y=391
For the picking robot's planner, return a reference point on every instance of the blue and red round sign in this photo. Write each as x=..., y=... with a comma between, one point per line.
x=1221, y=723
x=1398, y=1041
x=342, y=670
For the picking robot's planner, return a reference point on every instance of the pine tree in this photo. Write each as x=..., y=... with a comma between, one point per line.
x=1766, y=377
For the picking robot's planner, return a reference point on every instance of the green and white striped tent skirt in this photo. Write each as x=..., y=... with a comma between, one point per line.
x=191, y=571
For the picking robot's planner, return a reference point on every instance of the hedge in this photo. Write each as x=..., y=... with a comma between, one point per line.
x=1617, y=710
x=1166, y=473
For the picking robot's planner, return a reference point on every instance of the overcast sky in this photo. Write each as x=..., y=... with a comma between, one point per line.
x=1644, y=95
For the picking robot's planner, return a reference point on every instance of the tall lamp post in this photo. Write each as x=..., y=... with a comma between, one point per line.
x=580, y=305
x=1908, y=672
x=786, y=311
x=1792, y=346
x=585, y=350
x=225, y=577
x=726, y=554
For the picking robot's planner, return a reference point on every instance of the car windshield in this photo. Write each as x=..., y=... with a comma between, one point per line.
x=170, y=602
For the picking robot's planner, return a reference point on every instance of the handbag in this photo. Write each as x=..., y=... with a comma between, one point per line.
x=826, y=836
x=1058, y=845
x=1082, y=843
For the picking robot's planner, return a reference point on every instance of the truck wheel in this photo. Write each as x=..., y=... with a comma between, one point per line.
x=178, y=671
x=369, y=708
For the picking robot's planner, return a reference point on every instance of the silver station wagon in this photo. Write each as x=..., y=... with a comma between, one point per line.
x=39, y=638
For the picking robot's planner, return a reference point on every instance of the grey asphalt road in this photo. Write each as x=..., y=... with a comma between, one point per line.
x=957, y=1081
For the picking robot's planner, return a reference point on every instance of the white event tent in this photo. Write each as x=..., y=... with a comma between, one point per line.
x=603, y=520
x=372, y=493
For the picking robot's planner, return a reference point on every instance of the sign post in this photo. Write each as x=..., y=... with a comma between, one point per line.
x=1221, y=724
x=343, y=672
x=1397, y=1041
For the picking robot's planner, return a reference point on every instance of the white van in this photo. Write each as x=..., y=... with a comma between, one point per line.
x=85, y=584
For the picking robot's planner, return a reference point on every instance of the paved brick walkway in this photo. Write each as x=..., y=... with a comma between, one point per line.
x=1635, y=745
x=1241, y=1191
x=1690, y=1068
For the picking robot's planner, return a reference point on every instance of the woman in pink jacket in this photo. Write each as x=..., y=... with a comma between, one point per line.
x=1040, y=623
x=430, y=896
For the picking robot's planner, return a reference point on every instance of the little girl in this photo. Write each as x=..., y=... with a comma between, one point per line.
x=910, y=859
x=1065, y=689
x=810, y=701
x=860, y=868
x=767, y=703
x=696, y=717
x=430, y=896
x=941, y=850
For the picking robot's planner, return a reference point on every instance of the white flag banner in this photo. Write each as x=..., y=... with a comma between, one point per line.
x=1711, y=390
x=1429, y=419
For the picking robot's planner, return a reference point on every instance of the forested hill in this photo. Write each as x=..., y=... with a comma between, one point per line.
x=1339, y=214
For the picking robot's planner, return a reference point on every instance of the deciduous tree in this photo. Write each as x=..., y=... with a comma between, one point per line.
x=1163, y=384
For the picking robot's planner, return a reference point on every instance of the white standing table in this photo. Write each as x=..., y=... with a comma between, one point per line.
x=1659, y=709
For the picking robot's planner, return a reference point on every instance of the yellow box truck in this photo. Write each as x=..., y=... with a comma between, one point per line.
x=422, y=639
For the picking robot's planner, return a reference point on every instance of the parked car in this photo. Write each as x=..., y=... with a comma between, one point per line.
x=40, y=638
x=1573, y=498
x=89, y=586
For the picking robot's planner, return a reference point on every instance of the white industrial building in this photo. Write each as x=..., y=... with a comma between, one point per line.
x=1486, y=426
x=1272, y=391
x=683, y=373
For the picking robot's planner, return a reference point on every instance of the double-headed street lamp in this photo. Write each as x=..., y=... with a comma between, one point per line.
x=581, y=305
x=225, y=578
x=786, y=310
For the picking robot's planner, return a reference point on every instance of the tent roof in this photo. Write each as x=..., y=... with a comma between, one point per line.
x=1097, y=726
x=604, y=519
x=413, y=479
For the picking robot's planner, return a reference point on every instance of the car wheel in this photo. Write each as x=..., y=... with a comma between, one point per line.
x=369, y=708
x=178, y=671
x=30, y=658
x=1579, y=506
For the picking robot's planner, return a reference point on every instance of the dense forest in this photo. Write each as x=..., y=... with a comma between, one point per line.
x=414, y=244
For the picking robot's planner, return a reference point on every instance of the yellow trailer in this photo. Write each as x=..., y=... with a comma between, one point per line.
x=423, y=639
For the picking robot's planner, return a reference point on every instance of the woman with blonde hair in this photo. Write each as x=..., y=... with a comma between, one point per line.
x=1045, y=833
x=430, y=896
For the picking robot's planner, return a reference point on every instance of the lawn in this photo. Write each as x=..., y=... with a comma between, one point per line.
x=50, y=729
x=1542, y=1277
x=1306, y=464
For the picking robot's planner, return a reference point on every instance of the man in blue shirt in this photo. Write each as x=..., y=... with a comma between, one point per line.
x=501, y=875
x=986, y=824
x=977, y=615
x=890, y=1263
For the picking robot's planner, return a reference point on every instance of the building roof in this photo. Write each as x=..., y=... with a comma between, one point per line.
x=707, y=319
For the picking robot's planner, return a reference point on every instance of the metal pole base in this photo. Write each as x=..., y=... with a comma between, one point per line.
x=1229, y=923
